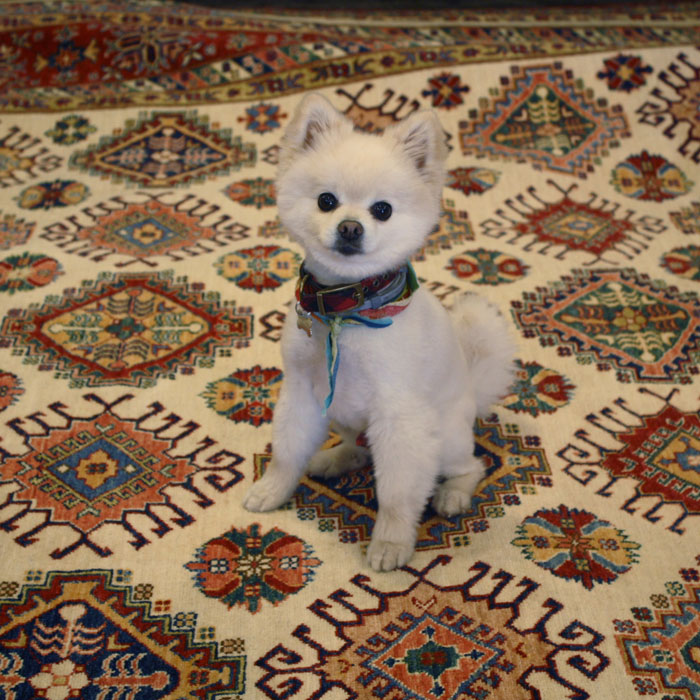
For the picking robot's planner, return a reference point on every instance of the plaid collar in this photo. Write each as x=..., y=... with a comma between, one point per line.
x=367, y=295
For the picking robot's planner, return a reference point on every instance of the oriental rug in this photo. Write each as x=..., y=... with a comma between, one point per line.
x=144, y=279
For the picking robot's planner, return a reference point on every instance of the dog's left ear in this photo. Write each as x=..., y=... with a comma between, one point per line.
x=422, y=138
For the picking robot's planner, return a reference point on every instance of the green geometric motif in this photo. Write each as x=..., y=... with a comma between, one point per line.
x=624, y=318
x=618, y=320
x=545, y=122
x=432, y=659
x=545, y=116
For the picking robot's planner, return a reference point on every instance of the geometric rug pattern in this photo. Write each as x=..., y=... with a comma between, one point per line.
x=642, y=330
x=144, y=281
x=543, y=115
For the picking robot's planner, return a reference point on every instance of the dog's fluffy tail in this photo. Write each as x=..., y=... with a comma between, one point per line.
x=488, y=346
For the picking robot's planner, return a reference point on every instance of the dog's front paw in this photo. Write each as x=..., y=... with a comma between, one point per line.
x=265, y=494
x=338, y=460
x=386, y=556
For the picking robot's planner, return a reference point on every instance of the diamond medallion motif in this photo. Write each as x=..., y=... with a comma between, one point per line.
x=619, y=318
x=166, y=149
x=127, y=329
x=544, y=116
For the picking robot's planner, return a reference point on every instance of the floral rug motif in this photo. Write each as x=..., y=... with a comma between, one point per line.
x=145, y=277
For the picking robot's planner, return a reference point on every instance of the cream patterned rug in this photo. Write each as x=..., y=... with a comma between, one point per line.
x=144, y=277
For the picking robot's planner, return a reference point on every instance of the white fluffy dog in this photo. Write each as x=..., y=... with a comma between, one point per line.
x=366, y=350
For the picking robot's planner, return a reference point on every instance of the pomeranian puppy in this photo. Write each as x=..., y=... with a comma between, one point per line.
x=368, y=351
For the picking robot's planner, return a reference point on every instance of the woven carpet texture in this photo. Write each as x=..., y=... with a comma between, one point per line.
x=144, y=279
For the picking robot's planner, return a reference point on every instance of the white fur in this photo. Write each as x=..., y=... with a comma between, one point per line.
x=414, y=387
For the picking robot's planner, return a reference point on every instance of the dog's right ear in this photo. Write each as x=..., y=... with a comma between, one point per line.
x=313, y=118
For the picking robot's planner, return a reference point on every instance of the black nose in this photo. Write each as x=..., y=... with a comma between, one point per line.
x=350, y=230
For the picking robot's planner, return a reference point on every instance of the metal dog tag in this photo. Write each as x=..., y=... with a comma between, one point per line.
x=303, y=320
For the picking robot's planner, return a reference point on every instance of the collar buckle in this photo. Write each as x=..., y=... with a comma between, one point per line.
x=358, y=295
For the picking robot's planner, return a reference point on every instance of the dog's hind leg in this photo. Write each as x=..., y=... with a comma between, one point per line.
x=461, y=469
x=348, y=456
x=454, y=494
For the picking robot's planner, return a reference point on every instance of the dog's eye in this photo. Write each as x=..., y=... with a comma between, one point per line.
x=327, y=201
x=380, y=210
